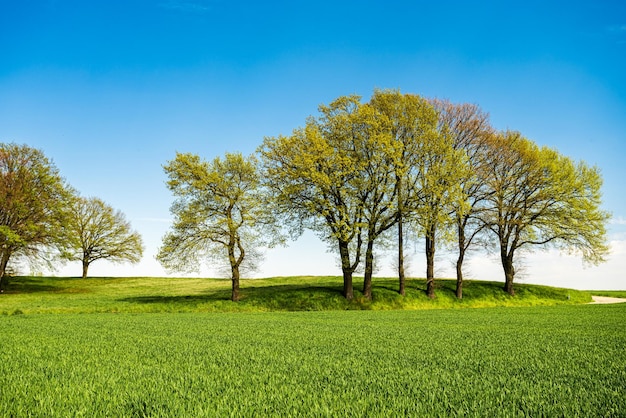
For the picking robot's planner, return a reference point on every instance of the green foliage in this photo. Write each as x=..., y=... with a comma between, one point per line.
x=541, y=361
x=32, y=198
x=219, y=211
x=541, y=198
x=95, y=231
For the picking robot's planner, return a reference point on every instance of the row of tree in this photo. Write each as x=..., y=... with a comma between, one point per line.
x=361, y=174
x=42, y=218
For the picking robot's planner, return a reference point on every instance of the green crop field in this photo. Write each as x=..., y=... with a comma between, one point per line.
x=531, y=361
x=563, y=360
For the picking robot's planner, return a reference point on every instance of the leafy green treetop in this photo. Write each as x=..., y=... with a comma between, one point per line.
x=95, y=231
x=32, y=200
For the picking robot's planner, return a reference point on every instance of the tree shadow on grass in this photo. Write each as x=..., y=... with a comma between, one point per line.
x=17, y=285
x=261, y=298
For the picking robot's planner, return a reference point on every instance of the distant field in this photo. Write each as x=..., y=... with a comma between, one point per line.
x=610, y=293
x=31, y=295
x=523, y=361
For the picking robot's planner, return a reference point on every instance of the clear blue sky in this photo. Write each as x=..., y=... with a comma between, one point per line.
x=110, y=90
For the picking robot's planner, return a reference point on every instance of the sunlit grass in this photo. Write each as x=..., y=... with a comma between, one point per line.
x=31, y=295
x=526, y=361
x=609, y=293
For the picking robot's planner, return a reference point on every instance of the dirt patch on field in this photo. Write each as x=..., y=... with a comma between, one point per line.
x=606, y=299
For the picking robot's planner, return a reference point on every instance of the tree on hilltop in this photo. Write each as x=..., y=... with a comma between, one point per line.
x=219, y=211
x=314, y=177
x=95, y=231
x=32, y=201
x=411, y=123
x=539, y=197
x=468, y=129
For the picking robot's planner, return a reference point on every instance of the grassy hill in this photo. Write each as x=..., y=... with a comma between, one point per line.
x=30, y=295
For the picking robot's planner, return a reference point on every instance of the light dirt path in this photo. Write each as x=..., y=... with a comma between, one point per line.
x=606, y=299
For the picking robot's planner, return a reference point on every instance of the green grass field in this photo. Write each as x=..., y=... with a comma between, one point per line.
x=527, y=361
x=32, y=295
x=120, y=347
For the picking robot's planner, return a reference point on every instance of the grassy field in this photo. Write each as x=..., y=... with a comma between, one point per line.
x=139, y=347
x=610, y=293
x=525, y=361
x=31, y=295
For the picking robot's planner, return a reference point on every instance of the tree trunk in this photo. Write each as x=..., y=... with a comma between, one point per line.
x=430, y=265
x=85, y=268
x=401, y=278
x=234, y=269
x=4, y=262
x=235, y=283
x=344, y=252
x=459, y=263
x=369, y=270
x=509, y=272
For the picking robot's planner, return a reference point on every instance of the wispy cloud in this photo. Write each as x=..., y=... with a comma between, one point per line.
x=620, y=220
x=618, y=33
x=187, y=6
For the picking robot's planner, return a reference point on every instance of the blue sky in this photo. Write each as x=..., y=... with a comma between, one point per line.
x=110, y=90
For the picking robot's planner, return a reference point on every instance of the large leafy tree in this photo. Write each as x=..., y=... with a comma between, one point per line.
x=219, y=212
x=95, y=231
x=468, y=128
x=315, y=177
x=376, y=151
x=412, y=124
x=539, y=197
x=32, y=199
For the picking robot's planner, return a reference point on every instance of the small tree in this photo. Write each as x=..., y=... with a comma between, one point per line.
x=539, y=198
x=95, y=231
x=219, y=211
x=32, y=196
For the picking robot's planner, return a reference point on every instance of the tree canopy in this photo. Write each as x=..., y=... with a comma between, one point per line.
x=219, y=211
x=95, y=231
x=33, y=196
x=538, y=197
x=353, y=174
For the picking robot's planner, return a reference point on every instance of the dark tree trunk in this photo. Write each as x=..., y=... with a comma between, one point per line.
x=235, y=283
x=401, y=278
x=344, y=252
x=509, y=272
x=4, y=262
x=234, y=268
x=369, y=270
x=459, y=277
x=85, y=268
x=430, y=264
x=459, y=263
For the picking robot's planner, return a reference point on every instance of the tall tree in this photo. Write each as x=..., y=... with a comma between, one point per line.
x=412, y=123
x=376, y=151
x=539, y=198
x=32, y=196
x=95, y=231
x=468, y=128
x=438, y=174
x=219, y=211
x=314, y=175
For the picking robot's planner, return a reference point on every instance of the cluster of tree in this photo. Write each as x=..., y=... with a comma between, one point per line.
x=43, y=218
x=362, y=173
